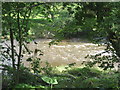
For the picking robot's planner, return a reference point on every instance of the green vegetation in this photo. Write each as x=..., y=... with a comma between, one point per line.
x=84, y=77
x=24, y=22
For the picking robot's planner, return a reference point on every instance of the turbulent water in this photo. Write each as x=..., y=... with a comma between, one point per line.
x=65, y=52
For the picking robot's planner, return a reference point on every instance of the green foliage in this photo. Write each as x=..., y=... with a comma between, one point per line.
x=8, y=80
x=89, y=78
x=49, y=80
x=109, y=81
x=35, y=65
x=28, y=86
x=52, y=25
x=85, y=78
x=103, y=61
x=7, y=77
x=48, y=69
x=85, y=72
x=35, y=60
x=24, y=86
x=63, y=20
x=15, y=22
x=90, y=83
x=40, y=86
x=26, y=76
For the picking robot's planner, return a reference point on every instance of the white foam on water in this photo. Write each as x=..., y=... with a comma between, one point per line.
x=71, y=52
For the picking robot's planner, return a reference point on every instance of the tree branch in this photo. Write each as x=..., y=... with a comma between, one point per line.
x=12, y=44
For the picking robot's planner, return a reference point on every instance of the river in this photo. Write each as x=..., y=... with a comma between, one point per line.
x=66, y=52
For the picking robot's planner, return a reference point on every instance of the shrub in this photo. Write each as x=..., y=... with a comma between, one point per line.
x=84, y=72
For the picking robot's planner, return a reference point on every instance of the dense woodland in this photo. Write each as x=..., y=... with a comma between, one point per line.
x=94, y=21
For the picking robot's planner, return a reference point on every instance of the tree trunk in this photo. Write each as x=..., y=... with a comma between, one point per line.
x=12, y=45
x=20, y=47
x=12, y=50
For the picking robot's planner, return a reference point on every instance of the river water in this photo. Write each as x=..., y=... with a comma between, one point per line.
x=66, y=52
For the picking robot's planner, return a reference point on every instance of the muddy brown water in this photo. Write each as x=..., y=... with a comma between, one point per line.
x=66, y=52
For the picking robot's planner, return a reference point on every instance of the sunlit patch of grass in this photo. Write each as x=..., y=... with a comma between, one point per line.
x=66, y=67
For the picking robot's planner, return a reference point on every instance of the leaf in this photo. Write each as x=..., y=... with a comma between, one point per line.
x=29, y=59
x=55, y=81
x=40, y=54
x=72, y=64
x=49, y=80
x=35, y=42
x=40, y=86
x=37, y=50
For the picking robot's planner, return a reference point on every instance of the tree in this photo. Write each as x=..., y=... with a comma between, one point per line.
x=101, y=18
x=15, y=20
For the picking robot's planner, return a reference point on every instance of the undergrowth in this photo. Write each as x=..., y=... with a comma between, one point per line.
x=72, y=77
